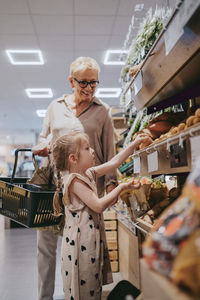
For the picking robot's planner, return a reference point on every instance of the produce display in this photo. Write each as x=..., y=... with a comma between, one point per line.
x=173, y=248
x=168, y=124
x=149, y=200
x=147, y=34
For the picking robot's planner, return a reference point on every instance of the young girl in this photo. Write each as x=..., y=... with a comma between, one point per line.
x=85, y=258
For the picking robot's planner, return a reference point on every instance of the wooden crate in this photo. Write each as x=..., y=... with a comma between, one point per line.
x=113, y=254
x=114, y=266
x=111, y=235
x=112, y=245
x=110, y=222
x=109, y=215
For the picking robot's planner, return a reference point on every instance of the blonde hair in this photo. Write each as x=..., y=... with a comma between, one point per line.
x=63, y=147
x=83, y=63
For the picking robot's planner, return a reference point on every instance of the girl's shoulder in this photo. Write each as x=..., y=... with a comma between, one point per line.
x=72, y=177
x=73, y=184
x=91, y=173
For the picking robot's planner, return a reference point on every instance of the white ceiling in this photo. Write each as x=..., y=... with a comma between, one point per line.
x=62, y=30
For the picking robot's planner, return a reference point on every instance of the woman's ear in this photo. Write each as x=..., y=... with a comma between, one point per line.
x=71, y=81
x=73, y=158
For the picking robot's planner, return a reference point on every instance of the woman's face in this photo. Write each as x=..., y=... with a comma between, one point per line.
x=80, y=79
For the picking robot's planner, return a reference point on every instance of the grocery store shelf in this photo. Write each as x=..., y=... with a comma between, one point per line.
x=130, y=225
x=165, y=76
x=182, y=140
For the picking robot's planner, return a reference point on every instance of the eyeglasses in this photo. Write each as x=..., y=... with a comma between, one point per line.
x=84, y=83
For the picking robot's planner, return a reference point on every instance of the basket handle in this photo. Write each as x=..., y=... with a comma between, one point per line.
x=35, y=162
x=15, y=163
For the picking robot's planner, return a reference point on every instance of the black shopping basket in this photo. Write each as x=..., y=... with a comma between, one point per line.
x=25, y=203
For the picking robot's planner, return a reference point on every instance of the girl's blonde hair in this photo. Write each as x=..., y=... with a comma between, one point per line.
x=63, y=147
x=83, y=63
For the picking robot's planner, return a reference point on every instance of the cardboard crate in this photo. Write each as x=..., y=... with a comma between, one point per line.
x=113, y=254
x=112, y=245
x=110, y=224
x=109, y=215
x=114, y=266
x=111, y=235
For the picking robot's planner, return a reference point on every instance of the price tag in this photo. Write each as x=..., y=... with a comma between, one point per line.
x=152, y=160
x=138, y=83
x=136, y=164
x=195, y=149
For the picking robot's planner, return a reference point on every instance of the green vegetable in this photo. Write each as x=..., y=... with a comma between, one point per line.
x=147, y=34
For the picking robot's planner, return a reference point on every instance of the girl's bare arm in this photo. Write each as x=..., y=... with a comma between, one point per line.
x=118, y=159
x=86, y=195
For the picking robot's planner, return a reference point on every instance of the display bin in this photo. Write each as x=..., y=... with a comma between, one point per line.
x=28, y=204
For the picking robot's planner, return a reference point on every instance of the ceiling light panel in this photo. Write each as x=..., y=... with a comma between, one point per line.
x=115, y=57
x=108, y=92
x=39, y=93
x=41, y=112
x=25, y=57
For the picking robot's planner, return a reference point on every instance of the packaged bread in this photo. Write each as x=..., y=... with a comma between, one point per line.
x=181, y=127
x=145, y=144
x=174, y=130
x=189, y=121
x=196, y=120
x=197, y=113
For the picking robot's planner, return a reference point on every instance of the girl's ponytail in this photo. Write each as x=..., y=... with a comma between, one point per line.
x=57, y=208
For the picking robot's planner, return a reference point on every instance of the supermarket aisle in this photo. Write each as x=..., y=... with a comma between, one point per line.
x=18, y=266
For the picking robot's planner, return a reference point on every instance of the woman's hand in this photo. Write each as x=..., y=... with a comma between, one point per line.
x=43, y=152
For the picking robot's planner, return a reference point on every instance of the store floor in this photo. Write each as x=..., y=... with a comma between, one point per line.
x=18, y=266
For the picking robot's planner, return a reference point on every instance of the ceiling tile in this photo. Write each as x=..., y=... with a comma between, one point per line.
x=91, y=42
x=56, y=42
x=28, y=41
x=96, y=7
x=121, y=25
x=15, y=24
x=51, y=7
x=126, y=7
x=93, y=25
x=13, y=7
x=53, y=25
x=116, y=42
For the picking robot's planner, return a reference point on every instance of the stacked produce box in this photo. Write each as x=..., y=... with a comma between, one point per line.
x=110, y=222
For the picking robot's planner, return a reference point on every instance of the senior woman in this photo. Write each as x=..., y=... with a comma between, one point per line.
x=79, y=111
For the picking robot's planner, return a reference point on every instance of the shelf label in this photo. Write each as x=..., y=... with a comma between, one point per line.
x=136, y=164
x=138, y=82
x=152, y=161
x=195, y=149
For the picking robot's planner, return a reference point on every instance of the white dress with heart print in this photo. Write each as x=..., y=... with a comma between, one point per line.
x=85, y=257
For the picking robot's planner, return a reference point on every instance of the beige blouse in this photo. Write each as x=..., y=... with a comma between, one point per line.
x=95, y=120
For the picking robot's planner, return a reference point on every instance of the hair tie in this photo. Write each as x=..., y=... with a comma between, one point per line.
x=58, y=189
